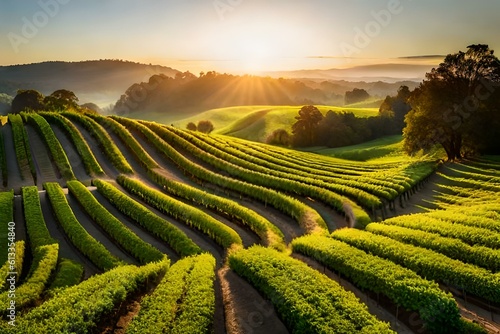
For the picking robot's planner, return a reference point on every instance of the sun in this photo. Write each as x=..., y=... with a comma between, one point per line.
x=255, y=55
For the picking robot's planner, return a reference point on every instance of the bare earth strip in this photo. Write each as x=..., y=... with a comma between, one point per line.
x=142, y=233
x=97, y=232
x=46, y=170
x=66, y=248
x=72, y=153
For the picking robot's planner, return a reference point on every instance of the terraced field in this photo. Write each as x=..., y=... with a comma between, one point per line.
x=127, y=226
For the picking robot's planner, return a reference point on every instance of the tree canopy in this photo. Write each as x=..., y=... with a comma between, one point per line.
x=456, y=106
x=304, y=130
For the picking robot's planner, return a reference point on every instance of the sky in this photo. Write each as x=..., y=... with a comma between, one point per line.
x=244, y=36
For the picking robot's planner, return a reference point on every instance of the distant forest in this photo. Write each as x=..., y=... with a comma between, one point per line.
x=187, y=93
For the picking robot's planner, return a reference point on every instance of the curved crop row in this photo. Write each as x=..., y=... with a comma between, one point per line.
x=183, y=302
x=78, y=309
x=478, y=255
x=105, y=142
x=92, y=167
x=438, y=310
x=426, y=263
x=6, y=217
x=53, y=144
x=68, y=273
x=44, y=263
x=306, y=300
x=121, y=234
x=14, y=263
x=308, y=218
x=79, y=237
x=365, y=193
x=269, y=233
x=468, y=234
x=142, y=156
x=169, y=233
x=329, y=193
x=38, y=233
x=3, y=162
x=22, y=146
x=459, y=217
x=222, y=234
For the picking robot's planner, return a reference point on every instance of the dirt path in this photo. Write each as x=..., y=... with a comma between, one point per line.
x=46, y=170
x=101, y=158
x=141, y=233
x=74, y=158
x=246, y=310
x=333, y=219
x=15, y=180
x=97, y=232
x=66, y=248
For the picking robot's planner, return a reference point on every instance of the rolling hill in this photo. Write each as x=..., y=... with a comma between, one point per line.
x=138, y=227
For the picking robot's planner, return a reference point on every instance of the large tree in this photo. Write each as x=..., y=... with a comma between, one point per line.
x=27, y=100
x=451, y=103
x=304, y=130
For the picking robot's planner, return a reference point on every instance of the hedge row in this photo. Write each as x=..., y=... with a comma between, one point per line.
x=365, y=193
x=16, y=262
x=22, y=147
x=478, y=255
x=168, y=232
x=68, y=273
x=183, y=302
x=3, y=162
x=269, y=233
x=305, y=299
x=334, y=200
x=468, y=234
x=308, y=218
x=53, y=144
x=6, y=216
x=43, y=265
x=426, y=263
x=438, y=310
x=79, y=237
x=105, y=142
x=141, y=155
x=121, y=234
x=38, y=233
x=80, y=308
x=220, y=233
x=92, y=167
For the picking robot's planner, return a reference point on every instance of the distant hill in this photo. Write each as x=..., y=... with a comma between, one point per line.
x=389, y=73
x=98, y=81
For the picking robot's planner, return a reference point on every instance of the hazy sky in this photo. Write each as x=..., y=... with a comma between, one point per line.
x=243, y=35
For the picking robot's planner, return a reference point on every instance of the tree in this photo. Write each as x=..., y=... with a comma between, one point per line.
x=356, y=95
x=191, y=126
x=304, y=130
x=279, y=137
x=27, y=100
x=451, y=103
x=205, y=126
x=61, y=100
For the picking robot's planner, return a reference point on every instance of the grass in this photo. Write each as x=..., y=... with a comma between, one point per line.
x=257, y=122
x=384, y=147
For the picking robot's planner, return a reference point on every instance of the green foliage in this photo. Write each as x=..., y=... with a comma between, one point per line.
x=307, y=217
x=27, y=100
x=121, y=234
x=78, y=309
x=68, y=273
x=306, y=300
x=183, y=302
x=141, y=155
x=437, y=309
x=79, y=237
x=6, y=216
x=476, y=254
x=92, y=167
x=269, y=233
x=220, y=233
x=305, y=129
x=205, y=126
x=53, y=144
x=35, y=223
x=168, y=232
x=105, y=142
x=44, y=263
x=426, y=263
x=3, y=162
x=22, y=147
x=19, y=248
